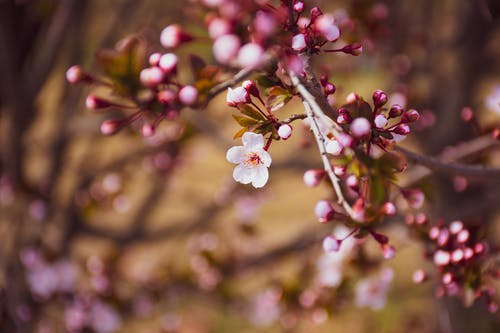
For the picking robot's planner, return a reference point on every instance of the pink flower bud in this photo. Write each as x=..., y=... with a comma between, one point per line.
x=325, y=24
x=324, y=211
x=468, y=253
x=166, y=96
x=456, y=227
x=434, y=233
x=467, y=114
x=75, y=74
x=250, y=55
x=251, y=87
x=388, y=251
x=389, y=209
x=344, y=139
x=480, y=248
x=443, y=237
x=457, y=255
x=442, y=258
x=112, y=126
x=188, y=95
x=379, y=98
x=237, y=96
x=414, y=197
x=447, y=278
x=265, y=24
x=147, y=130
x=313, y=177
x=380, y=121
x=218, y=27
x=353, y=182
x=419, y=276
x=331, y=244
x=172, y=36
x=299, y=42
x=298, y=6
x=354, y=49
x=330, y=88
x=395, y=111
x=154, y=59
x=360, y=127
x=93, y=102
x=463, y=236
x=151, y=77
x=380, y=238
x=421, y=219
x=226, y=48
x=168, y=62
x=285, y=131
x=333, y=147
x=339, y=170
x=410, y=116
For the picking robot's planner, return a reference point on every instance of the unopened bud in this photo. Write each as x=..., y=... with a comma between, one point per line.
x=379, y=98
x=299, y=42
x=380, y=121
x=360, y=127
x=330, y=88
x=154, y=59
x=151, y=77
x=442, y=258
x=168, y=62
x=410, y=116
x=389, y=209
x=251, y=87
x=166, y=96
x=188, y=95
x=388, y=251
x=467, y=114
x=313, y=177
x=112, y=126
x=298, y=6
x=93, y=102
x=395, y=111
x=172, y=36
x=419, y=276
x=75, y=74
x=324, y=211
x=463, y=236
x=355, y=49
x=285, y=131
x=148, y=130
x=402, y=129
x=331, y=244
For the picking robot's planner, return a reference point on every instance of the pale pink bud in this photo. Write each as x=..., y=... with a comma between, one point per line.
x=226, y=48
x=379, y=98
x=419, y=276
x=250, y=55
x=360, y=127
x=353, y=182
x=434, y=233
x=331, y=244
x=395, y=111
x=414, y=197
x=285, y=131
x=339, y=170
x=380, y=121
x=298, y=6
x=299, y=42
x=147, y=130
x=75, y=74
x=442, y=258
x=168, y=62
x=421, y=219
x=480, y=248
x=112, y=126
x=354, y=49
x=457, y=255
x=463, y=236
x=188, y=95
x=444, y=236
x=330, y=88
x=344, y=139
x=93, y=102
x=166, y=96
x=313, y=177
x=265, y=24
x=154, y=59
x=237, y=96
x=352, y=97
x=333, y=147
x=456, y=227
x=172, y=36
x=389, y=209
x=325, y=24
x=218, y=27
x=388, y=251
x=447, y=278
x=324, y=211
x=151, y=77
x=468, y=253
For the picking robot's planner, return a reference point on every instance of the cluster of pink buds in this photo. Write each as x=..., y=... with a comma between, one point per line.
x=157, y=96
x=461, y=260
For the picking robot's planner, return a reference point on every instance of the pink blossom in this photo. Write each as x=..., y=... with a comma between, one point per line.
x=218, y=27
x=226, y=48
x=151, y=77
x=172, y=36
x=314, y=177
x=188, y=95
x=168, y=62
x=265, y=23
x=299, y=42
x=285, y=131
x=252, y=160
x=360, y=127
x=325, y=24
x=250, y=55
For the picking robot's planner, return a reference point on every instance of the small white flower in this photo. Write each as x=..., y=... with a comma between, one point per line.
x=237, y=96
x=252, y=160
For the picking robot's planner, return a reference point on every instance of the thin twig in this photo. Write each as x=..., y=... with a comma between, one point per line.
x=453, y=169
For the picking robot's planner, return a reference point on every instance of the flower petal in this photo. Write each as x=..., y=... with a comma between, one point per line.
x=252, y=140
x=235, y=154
x=242, y=174
x=265, y=157
x=260, y=177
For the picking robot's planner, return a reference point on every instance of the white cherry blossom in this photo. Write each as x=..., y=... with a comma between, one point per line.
x=252, y=160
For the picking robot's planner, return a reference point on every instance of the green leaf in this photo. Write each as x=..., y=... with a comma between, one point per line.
x=251, y=112
x=245, y=121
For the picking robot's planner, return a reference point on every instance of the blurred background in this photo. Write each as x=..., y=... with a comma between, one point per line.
x=126, y=234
